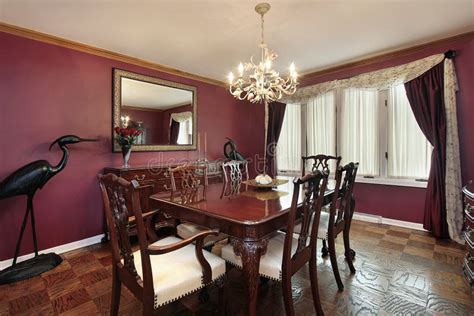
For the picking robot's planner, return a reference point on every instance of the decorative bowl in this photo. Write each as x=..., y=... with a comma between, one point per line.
x=275, y=183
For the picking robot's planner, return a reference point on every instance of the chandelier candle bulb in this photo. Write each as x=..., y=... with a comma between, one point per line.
x=241, y=69
x=230, y=77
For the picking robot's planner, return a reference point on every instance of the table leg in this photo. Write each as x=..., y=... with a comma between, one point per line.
x=250, y=253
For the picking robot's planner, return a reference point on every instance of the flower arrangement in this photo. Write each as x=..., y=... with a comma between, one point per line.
x=127, y=136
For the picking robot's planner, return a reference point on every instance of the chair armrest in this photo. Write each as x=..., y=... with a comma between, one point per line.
x=159, y=250
x=199, y=238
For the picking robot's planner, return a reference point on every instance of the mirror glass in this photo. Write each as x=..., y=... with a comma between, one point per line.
x=164, y=111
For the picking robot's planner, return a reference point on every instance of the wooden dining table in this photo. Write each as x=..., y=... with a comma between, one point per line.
x=250, y=218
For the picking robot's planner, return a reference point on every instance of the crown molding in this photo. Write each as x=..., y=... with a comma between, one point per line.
x=376, y=58
x=51, y=39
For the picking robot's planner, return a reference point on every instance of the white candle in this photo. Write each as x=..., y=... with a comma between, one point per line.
x=199, y=145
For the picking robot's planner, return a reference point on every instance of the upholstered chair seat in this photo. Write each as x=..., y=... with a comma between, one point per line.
x=187, y=230
x=323, y=226
x=178, y=273
x=270, y=262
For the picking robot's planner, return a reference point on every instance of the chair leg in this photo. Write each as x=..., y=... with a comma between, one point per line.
x=204, y=295
x=324, y=250
x=222, y=296
x=116, y=291
x=313, y=273
x=332, y=256
x=148, y=308
x=348, y=252
x=287, y=295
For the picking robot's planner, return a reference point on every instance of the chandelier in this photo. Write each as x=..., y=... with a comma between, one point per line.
x=263, y=84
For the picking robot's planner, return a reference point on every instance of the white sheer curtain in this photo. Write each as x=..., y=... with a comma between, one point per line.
x=185, y=132
x=409, y=152
x=359, y=130
x=289, y=143
x=321, y=125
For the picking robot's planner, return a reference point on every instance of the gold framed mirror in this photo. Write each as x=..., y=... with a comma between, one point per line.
x=164, y=111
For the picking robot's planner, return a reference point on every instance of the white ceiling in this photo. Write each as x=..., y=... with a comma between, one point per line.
x=152, y=96
x=210, y=37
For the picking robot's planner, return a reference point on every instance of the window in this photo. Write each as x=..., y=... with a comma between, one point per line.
x=409, y=152
x=375, y=128
x=289, y=143
x=359, y=137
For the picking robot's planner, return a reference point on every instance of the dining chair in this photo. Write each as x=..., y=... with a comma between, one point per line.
x=189, y=185
x=160, y=272
x=234, y=173
x=339, y=218
x=320, y=162
x=286, y=254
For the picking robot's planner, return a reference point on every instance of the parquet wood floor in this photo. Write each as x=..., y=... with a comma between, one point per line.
x=399, y=272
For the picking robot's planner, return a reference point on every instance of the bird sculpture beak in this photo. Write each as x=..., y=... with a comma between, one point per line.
x=89, y=139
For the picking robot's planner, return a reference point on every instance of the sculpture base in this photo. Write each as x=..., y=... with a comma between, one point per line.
x=30, y=268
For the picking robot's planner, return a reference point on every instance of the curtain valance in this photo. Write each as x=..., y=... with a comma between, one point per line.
x=379, y=79
x=181, y=117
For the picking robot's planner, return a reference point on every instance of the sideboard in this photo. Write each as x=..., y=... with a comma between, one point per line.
x=468, y=267
x=157, y=179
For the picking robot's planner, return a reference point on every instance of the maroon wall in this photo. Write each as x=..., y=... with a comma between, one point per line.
x=47, y=91
x=405, y=203
x=152, y=122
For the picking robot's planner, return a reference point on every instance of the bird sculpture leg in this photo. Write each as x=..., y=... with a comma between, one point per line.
x=33, y=224
x=23, y=225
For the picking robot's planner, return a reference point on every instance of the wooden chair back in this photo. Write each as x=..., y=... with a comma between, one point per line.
x=341, y=209
x=115, y=191
x=314, y=185
x=186, y=181
x=320, y=162
x=234, y=172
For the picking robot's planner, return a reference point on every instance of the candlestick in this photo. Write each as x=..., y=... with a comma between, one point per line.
x=205, y=145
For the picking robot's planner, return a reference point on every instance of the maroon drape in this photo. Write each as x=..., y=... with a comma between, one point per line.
x=426, y=97
x=174, y=131
x=276, y=113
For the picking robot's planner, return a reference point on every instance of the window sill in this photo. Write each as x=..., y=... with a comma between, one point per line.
x=393, y=182
x=360, y=179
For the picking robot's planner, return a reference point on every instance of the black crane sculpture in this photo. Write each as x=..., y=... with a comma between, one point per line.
x=26, y=181
x=232, y=154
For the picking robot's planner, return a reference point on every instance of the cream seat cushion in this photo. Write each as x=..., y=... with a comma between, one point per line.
x=270, y=262
x=323, y=226
x=177, y=273
x=187, y=230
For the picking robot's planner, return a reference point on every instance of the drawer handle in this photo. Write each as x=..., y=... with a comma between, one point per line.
x=139, y=178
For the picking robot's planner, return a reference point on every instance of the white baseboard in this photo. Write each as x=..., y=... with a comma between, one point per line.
x=388, y=221
x=58, y=249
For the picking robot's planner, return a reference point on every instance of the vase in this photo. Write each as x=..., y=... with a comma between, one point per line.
x=126, y=151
